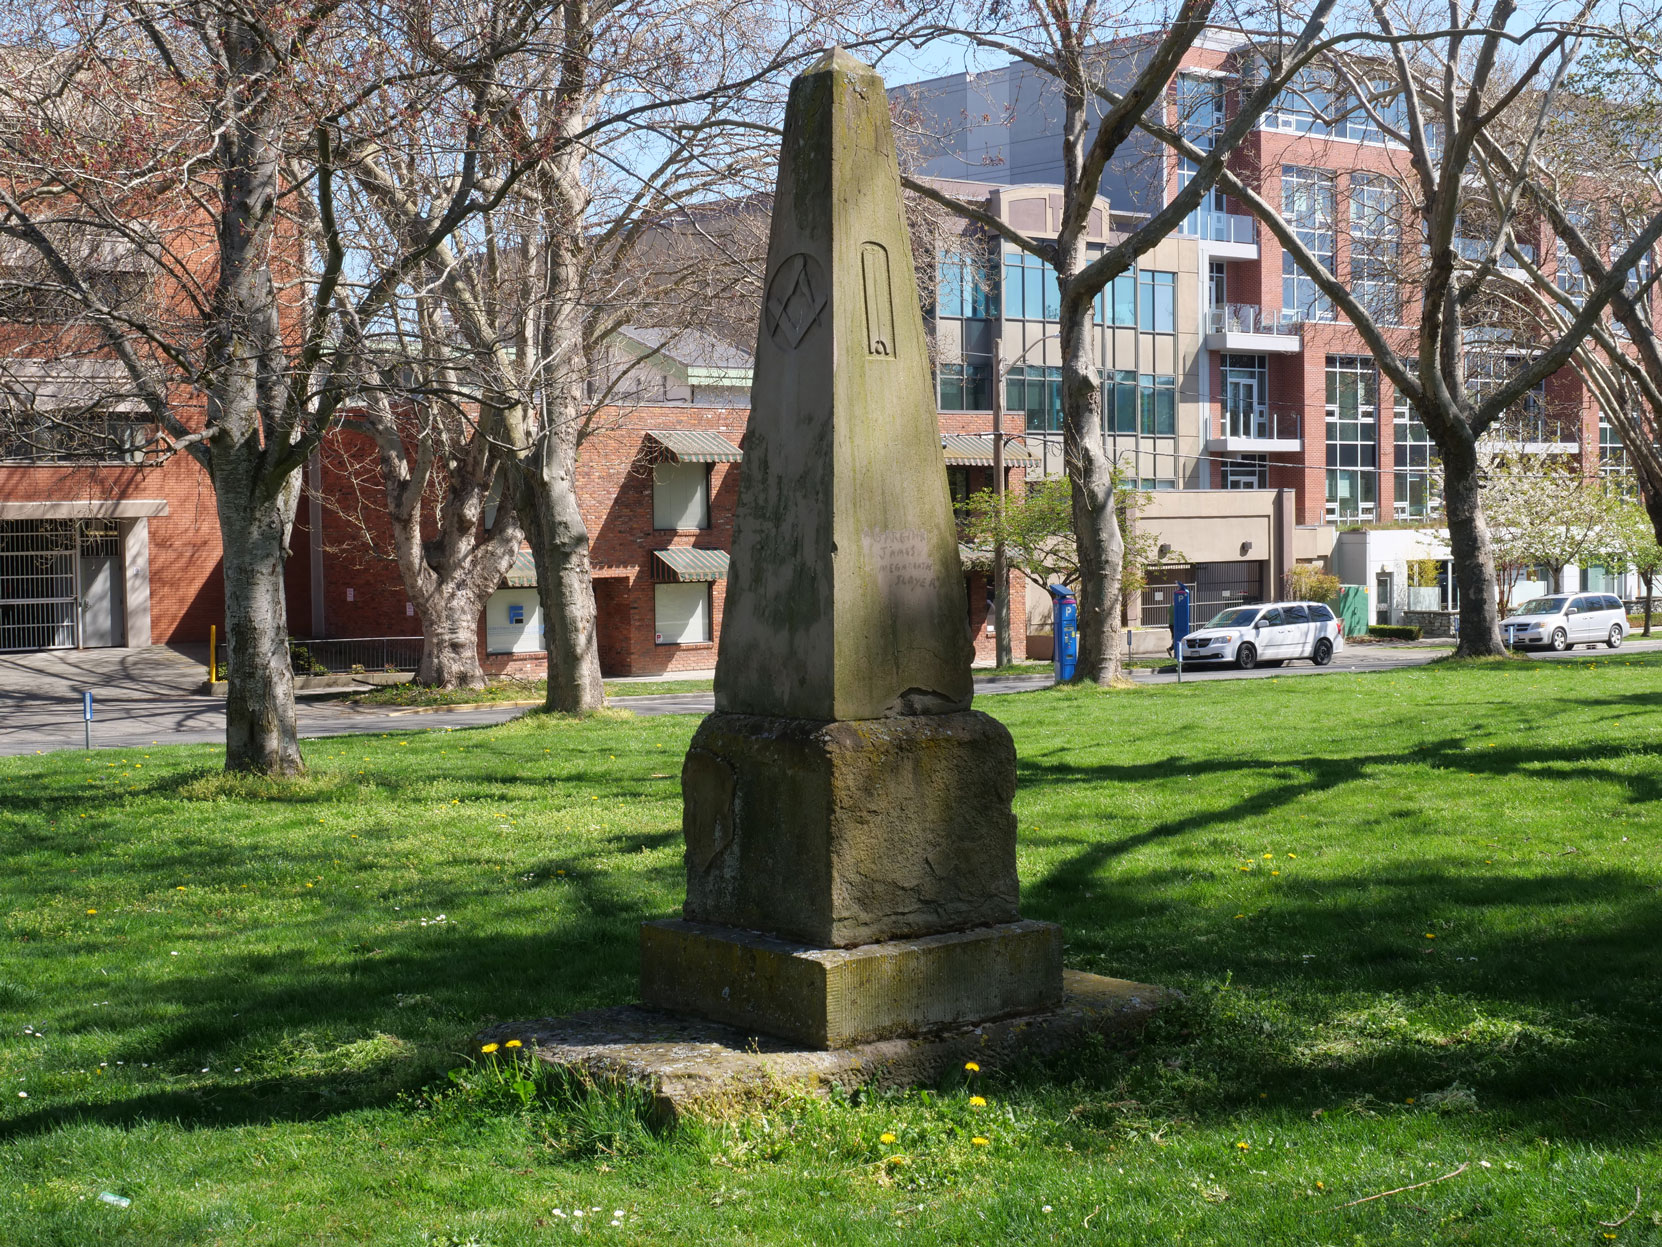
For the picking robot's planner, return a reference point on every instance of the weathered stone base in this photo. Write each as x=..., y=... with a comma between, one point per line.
x=846, y=833
x=836, y=997
x=689, y=1065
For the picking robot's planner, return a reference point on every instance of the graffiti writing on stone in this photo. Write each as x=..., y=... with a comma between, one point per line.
x=901, y=562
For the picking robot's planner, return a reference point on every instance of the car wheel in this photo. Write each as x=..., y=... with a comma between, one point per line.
x=1614, y=640
x=1560, y=640
x=1323, y=653
x=1246, y=657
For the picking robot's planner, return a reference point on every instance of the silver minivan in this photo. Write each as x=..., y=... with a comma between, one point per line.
x=1565, y=620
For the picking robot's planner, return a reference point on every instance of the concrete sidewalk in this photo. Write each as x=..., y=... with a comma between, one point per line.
x=157, y=671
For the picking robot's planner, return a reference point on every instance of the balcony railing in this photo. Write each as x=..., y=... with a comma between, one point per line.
x=1261, y=426
x=1220, y=227
x=1250, y=318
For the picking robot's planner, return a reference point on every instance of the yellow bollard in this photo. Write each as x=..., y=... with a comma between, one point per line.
x=213, y=654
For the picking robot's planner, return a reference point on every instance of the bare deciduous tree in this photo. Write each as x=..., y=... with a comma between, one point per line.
x=167, y=132
x=1450, y=91
x=1064, y=43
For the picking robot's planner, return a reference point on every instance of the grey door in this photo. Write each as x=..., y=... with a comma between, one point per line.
x=101, y=613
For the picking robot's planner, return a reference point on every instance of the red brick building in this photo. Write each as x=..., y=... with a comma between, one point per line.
x=97, y=550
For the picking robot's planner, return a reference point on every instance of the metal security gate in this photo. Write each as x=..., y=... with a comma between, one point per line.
x=38, y=584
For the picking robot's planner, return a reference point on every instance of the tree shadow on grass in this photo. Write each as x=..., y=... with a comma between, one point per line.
x=1307, y=777
x=1538, y=995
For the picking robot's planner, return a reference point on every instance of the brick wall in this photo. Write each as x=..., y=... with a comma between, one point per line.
x=187, y=593
x=614, y=482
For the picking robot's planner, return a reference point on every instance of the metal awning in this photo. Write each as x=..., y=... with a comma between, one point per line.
x=683, y=563
x=971, y=450
x=523, y=574
x=693, y=446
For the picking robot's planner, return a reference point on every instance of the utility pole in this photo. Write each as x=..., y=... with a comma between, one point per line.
x=1001, y=569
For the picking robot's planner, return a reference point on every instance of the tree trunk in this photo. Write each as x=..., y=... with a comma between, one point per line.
x=553, y=523
x=261, y=731
x=1096, y=522
x=450, y=639
x=1474, y=563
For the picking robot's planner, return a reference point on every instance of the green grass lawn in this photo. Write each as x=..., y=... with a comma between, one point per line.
x=1417, y=916
x=513, y=690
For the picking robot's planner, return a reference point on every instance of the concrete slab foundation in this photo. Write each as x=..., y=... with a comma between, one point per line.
x=689, y=1065
x=835, y=997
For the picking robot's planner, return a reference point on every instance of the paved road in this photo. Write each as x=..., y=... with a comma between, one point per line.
x=45, y=714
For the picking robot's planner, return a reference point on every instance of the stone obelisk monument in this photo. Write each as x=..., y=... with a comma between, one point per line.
x=851, y=851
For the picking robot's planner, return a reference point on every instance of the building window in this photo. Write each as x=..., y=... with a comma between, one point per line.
x=1037, y=392
x=1209, y=220
x=72, y=436
x=1157, y=397
x=968, y=287
x=1157, y=301
x=1140, y=403
x=681, y=613
x=513, y=622
x=1030, y=290
x=1614, y=464
x=1156, y=484
x=1247, y=472
x=966, y=387
x=1352, y=437
x=1217, y=283
x=1385, y=101
x=1571, y=280
x=680, y=495
x=1375, y=250
x=1419, y=486
x=1304, y=105
x=1197, y=102
x=1527, y=420
x=1246, y=388
x=1117, y=303
x=1307, y=205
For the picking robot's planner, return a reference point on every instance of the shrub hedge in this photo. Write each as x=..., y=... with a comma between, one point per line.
x=1394, y=632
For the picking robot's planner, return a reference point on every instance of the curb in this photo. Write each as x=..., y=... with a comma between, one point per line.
x=465, y=705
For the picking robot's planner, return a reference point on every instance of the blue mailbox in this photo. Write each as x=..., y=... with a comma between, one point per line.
x=1065, y=614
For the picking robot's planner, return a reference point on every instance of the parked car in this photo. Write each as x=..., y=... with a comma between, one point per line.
x=1566, y=620
x=1267, y=635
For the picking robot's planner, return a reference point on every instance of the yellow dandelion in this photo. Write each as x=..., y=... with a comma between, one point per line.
x=1430, y=936
x=980, y=1142
x=1275, y=872
x=1243, y=1145
x=1321, y=1186
x=1268, y=855
x=92, y=911
x=972, y=1067
x=490, y=1047
x=180, y=888
x=1409, y=1100
x=513, y=1043
x=1240, y=915
x=978, y=1101
x=886, y=1137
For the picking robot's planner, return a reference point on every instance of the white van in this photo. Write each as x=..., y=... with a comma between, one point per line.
x=1566, y=620
x=1267, y=635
